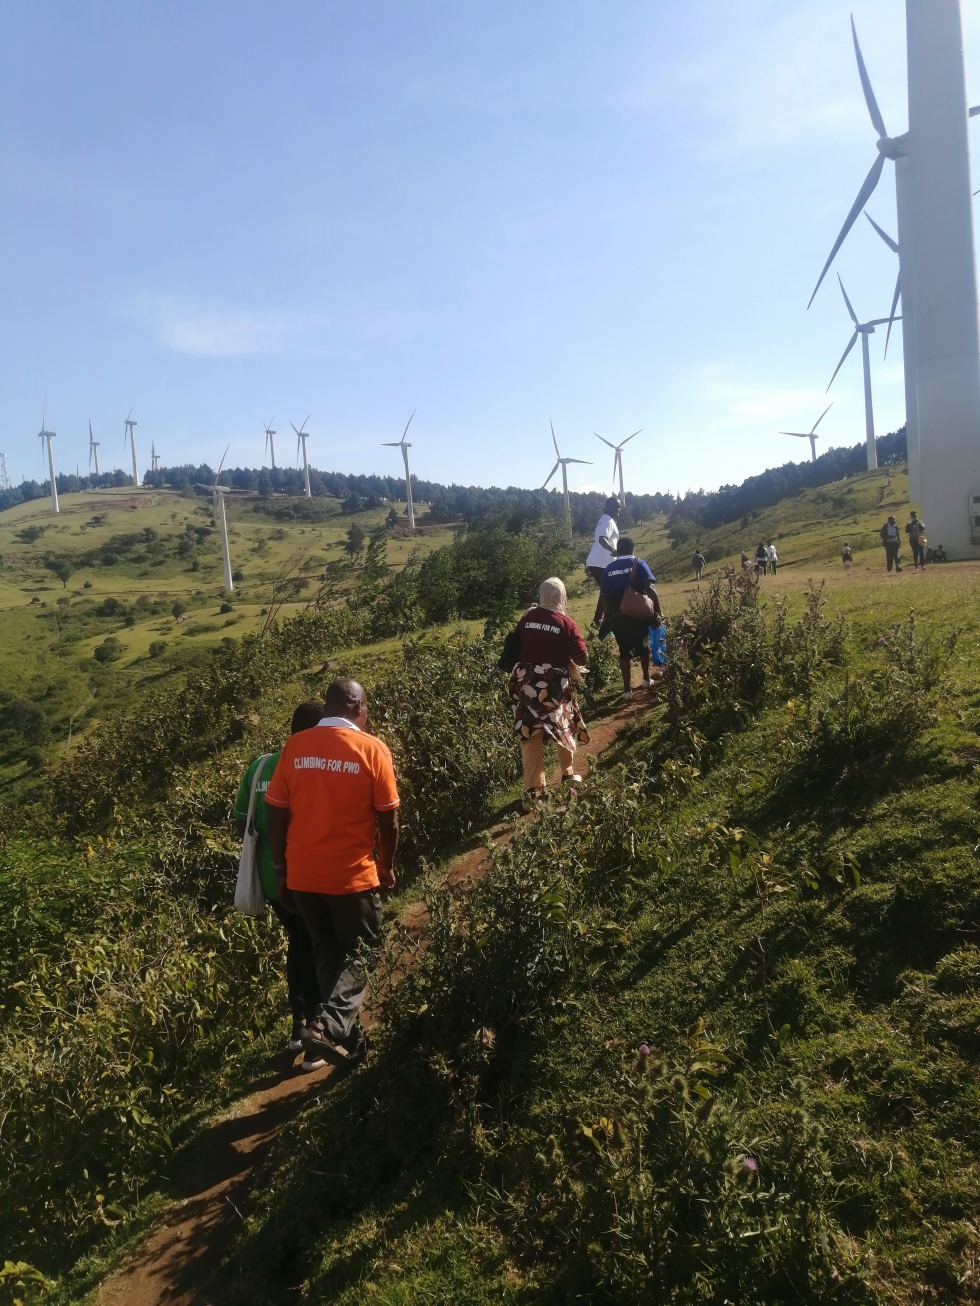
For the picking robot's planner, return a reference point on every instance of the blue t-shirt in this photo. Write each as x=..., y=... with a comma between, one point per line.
x=617, y=575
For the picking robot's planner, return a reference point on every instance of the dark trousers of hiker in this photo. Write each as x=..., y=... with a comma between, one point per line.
x=918, y=553
x=891, y=554
x=772, y=566
x=301, y=982
x=337, y=923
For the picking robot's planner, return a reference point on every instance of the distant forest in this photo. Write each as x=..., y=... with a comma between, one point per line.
x=697, y=508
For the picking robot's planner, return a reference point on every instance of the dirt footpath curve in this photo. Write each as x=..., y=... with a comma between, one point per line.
x=177, y=1260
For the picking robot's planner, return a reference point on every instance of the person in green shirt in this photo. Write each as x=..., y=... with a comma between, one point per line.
x=301, y=982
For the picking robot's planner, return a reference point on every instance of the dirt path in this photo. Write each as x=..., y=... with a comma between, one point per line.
x=211, y=1186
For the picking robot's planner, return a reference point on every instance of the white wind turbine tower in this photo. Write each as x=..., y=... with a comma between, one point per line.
x=301, y=437
x=4, y=474
x=131, y=437
x=618, y=460
x=269, y=442
x=93, y=449
x=563, y=464
x=864, y=330
x=154, y=457
x=218, y=493
x=811, y=434
x=45, y=434
x=405, y=445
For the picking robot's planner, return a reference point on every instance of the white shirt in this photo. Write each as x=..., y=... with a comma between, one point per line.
x=606, y=530
x=773, y=556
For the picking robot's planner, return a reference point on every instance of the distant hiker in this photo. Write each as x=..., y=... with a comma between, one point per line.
x=301, y=983
x=697, y=562
x=632, y=632
x=891, y=539
x=746, y=565
x=846, y=556
x=773, y=557
x=761, y=559
x=542, y=686
x=916, y=532
x=606, y=538
x=333, y=791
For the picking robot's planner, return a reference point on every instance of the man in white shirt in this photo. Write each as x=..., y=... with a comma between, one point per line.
x=773, y=557
x=891, y=539
x=603, y=551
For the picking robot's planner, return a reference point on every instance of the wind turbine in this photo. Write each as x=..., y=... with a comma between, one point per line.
x=45, y=434
x=563, y=464
x=93, y=449
x=218, y=493
x=4, y=474
x=618, y=460
x=269, y=443
x=405, y=445
x=131, y=437
x=154, y=457
x=301, y=436
x=810, y=435
x=863, y=329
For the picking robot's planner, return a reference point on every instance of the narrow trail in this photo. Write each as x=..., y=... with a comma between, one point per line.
x=211, y=1185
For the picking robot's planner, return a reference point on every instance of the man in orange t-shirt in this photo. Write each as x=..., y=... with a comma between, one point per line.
x=334, y=789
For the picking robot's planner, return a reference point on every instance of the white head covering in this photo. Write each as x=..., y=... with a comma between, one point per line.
x=552, y=594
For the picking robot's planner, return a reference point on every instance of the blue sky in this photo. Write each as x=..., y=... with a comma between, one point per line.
x=610, y=216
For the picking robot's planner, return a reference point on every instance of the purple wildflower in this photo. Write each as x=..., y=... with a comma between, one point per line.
x=881, y=639
x=750, y=1163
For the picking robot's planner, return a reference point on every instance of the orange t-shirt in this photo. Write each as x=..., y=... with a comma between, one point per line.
x=334, y=780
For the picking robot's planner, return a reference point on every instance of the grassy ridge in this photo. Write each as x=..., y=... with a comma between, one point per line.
x=783, y=903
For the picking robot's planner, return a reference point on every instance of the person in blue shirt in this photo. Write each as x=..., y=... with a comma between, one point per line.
x=632, y=634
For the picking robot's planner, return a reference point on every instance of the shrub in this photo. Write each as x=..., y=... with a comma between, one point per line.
x=108, y=651
x=226, y=607
x=157, y=648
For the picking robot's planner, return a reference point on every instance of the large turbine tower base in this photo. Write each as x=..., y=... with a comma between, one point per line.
x=947, y=331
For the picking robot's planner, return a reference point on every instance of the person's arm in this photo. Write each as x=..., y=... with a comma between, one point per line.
x=387, y=843
x=277, y=819
x=577, y=650
x=240, y=827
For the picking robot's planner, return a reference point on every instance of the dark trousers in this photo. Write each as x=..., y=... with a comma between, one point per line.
x=597, y=573
x=301, y=981
x=918, y=553
x=337, y=922
x=891, y=554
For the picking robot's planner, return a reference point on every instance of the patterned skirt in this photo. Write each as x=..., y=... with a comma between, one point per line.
x=543, y=699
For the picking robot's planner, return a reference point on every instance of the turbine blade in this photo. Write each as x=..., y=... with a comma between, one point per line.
x=584, y=461
x=550, y=474
x=408, y=424
x=801, y=435
x=975, y=110
x=631, y=437
x=305, y=420
x=892, y=244
x=293, y=425
x=847, y=301
x=864, y=194
x=553, y=440
x=869, y=95
x=821, y=417
x=880, y=321
x=222, y=463
x=603, y=439
x=843, y=356
x=891, y=316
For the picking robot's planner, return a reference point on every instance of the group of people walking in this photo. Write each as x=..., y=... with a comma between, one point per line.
x=325, y=807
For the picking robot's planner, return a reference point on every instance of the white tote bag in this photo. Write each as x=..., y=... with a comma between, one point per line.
x=249, y=898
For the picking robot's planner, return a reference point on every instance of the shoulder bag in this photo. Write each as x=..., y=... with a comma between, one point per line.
x=249, y=898
x=636, y=605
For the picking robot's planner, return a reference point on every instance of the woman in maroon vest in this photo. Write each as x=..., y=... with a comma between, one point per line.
x=541, y=686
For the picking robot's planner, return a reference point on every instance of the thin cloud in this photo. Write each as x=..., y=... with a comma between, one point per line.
x=217, y=332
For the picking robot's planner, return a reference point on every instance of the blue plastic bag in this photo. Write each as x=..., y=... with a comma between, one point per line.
x=658, y=645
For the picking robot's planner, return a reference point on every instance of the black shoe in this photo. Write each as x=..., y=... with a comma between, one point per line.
x=319, y=1049
x=356, y=1045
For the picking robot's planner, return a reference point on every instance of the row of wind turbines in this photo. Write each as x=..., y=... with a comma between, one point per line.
x=46, y=436
x=936, y=278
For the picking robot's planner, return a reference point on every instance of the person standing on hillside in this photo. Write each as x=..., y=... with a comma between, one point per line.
x=632, y=633
x=697, y=562
x=332, y=794
x=541, y=687
x=773, y=557
x=891, y=539
x=846, y=556
x=916, y=532
x=761, y=559
x=301, y=982
x=606, y=538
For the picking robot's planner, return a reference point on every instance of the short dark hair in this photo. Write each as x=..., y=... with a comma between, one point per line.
x=625, y=546
x=343, y=696
x=612, y=505
x=308, y=714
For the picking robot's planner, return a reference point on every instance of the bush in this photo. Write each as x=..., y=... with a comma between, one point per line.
x=108, y=651
x=158, y=647
x=226, y=607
